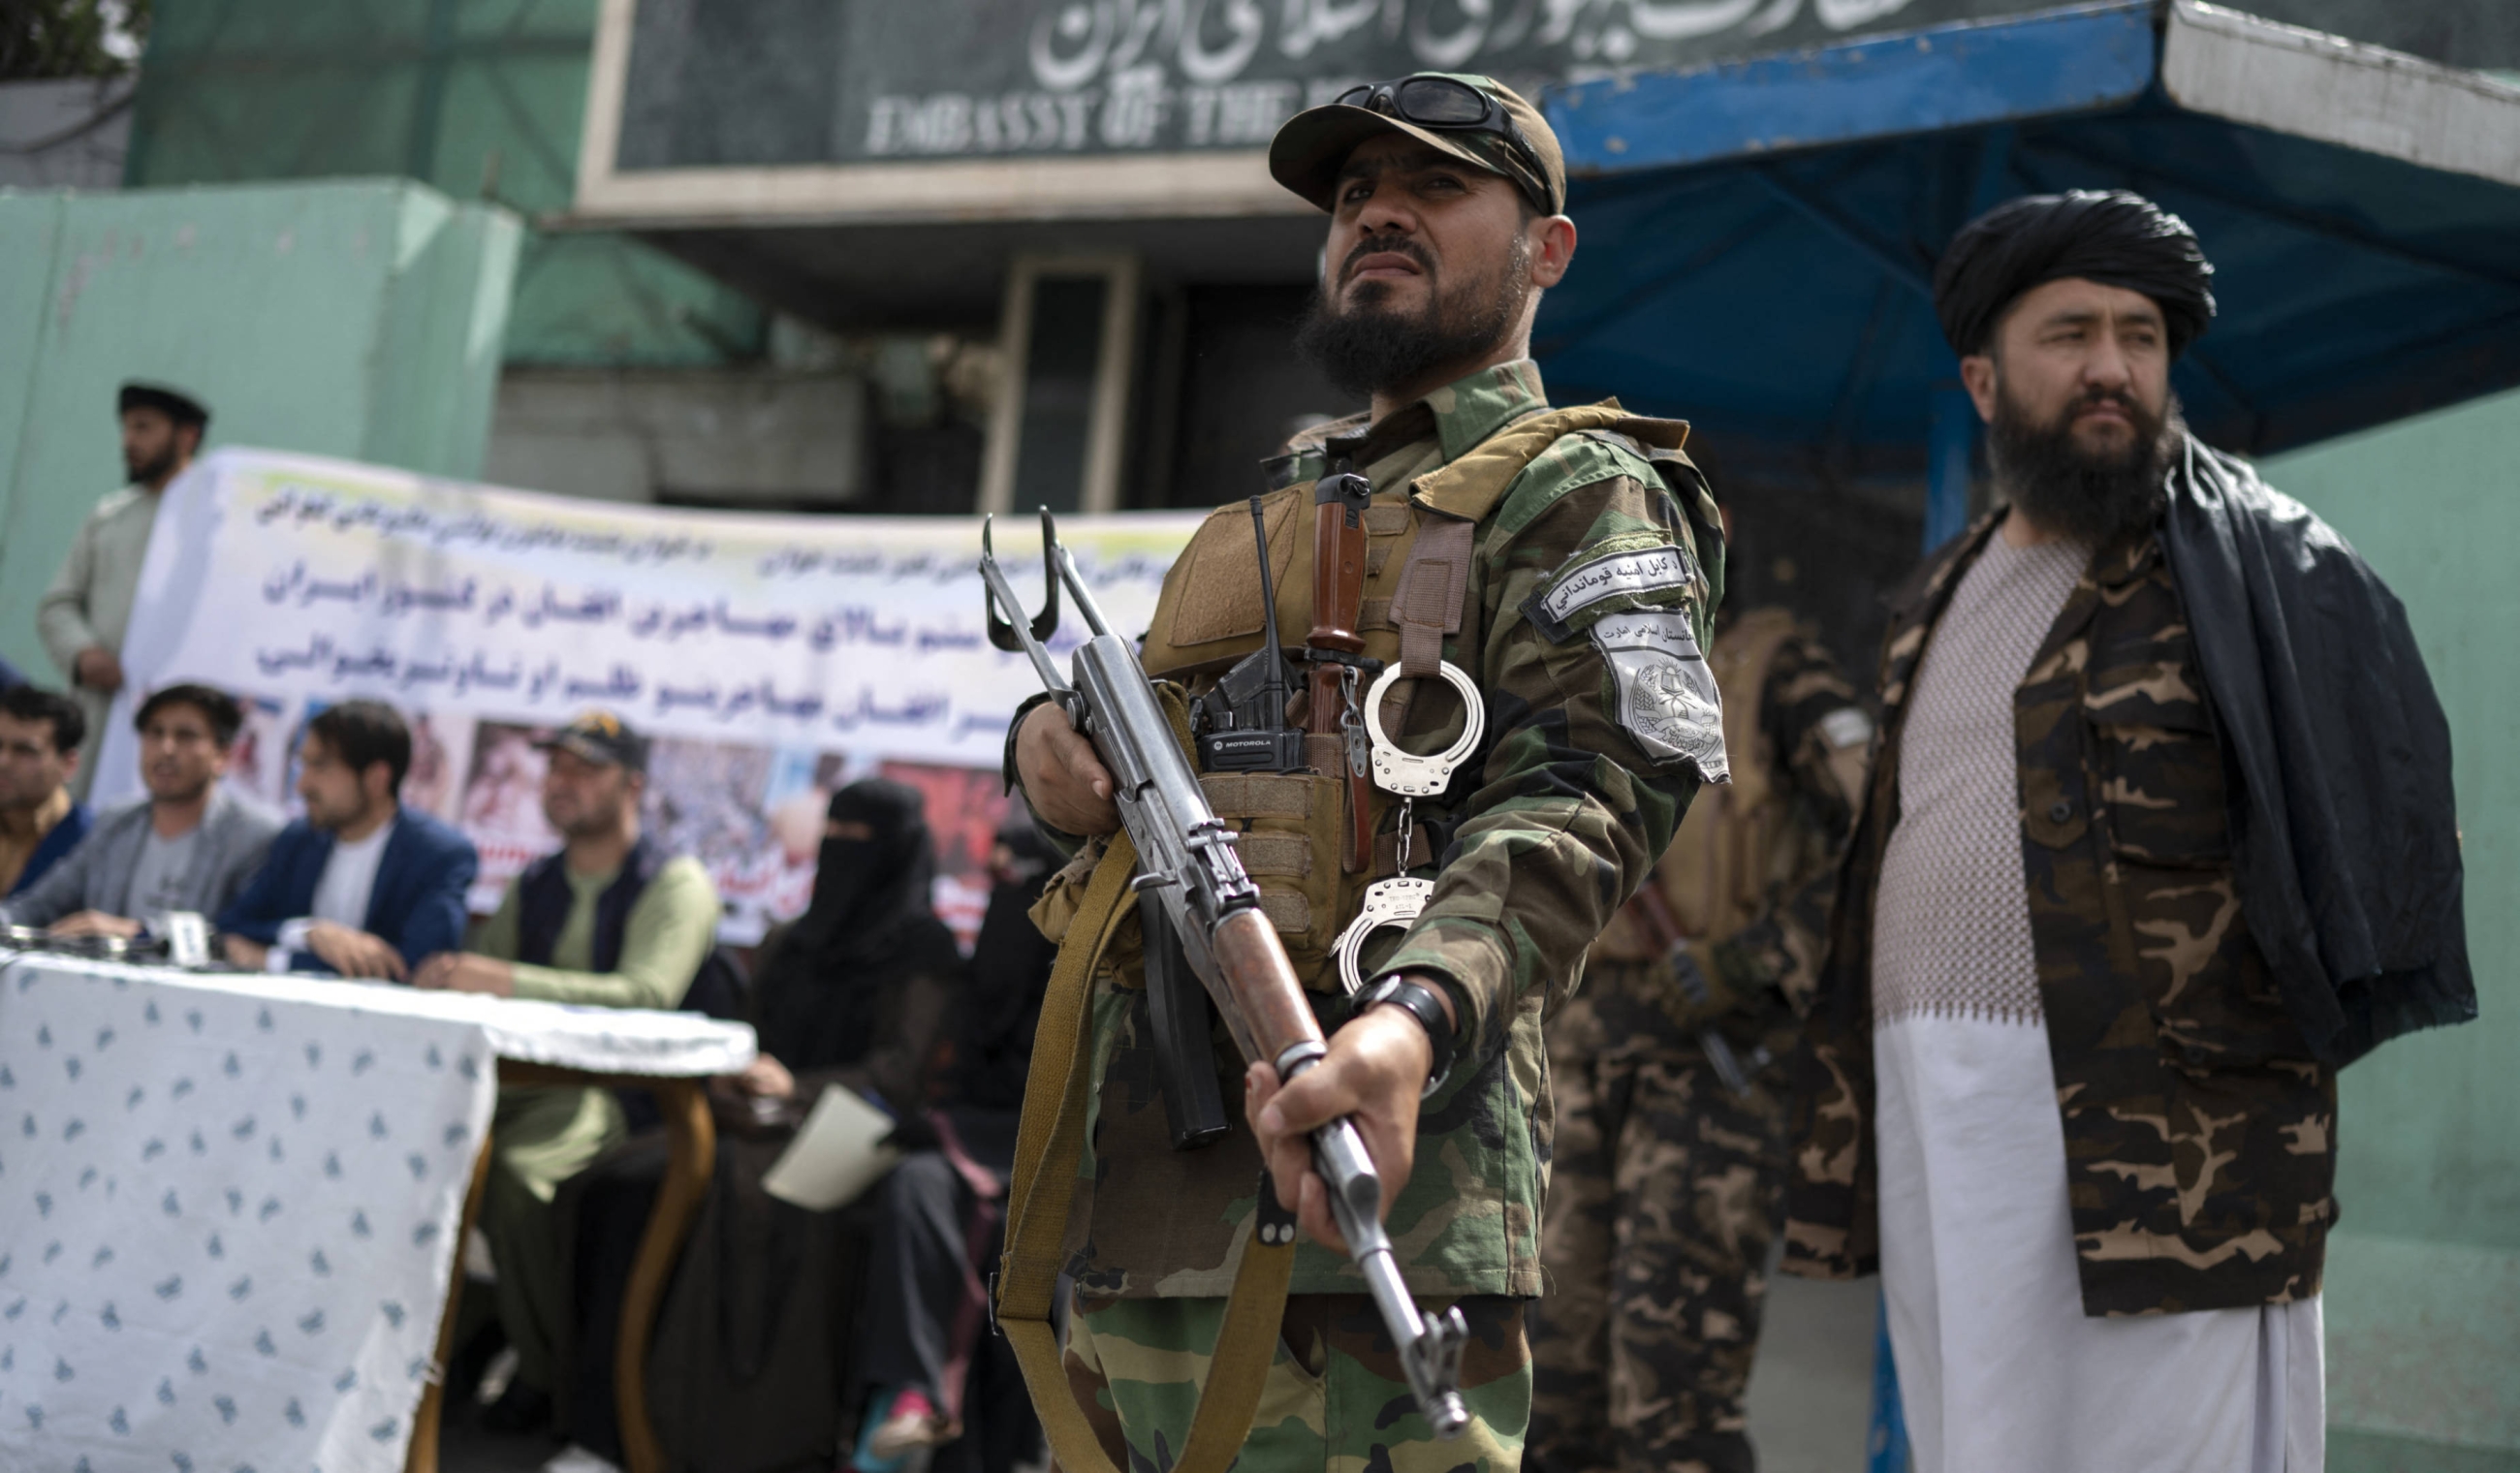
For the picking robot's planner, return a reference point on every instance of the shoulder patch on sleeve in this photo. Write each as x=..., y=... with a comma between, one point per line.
x=1667, y=696
x=1633, y=571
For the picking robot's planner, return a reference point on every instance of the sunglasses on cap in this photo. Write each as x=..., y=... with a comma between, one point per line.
x=1431, y=100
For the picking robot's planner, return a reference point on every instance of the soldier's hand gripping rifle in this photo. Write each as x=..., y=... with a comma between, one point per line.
x=1187, y=860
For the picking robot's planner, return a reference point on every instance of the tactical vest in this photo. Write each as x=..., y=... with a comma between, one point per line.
x=1294, y=838
x=1725, y=861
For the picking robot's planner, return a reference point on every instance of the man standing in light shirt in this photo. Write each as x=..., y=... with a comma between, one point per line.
x=612, y=920
x=191, y=845
x=362, y=885
x=83, y=617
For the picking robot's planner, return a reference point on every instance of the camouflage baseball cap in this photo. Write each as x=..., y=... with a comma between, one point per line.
x=1511, y=139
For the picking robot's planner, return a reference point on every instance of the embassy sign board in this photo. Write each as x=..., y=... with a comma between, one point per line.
x=843, y=110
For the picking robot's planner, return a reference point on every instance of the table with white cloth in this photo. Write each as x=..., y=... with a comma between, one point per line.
x=232, y=1207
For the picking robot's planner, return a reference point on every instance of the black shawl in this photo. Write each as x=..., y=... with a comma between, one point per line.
x=2343, y=822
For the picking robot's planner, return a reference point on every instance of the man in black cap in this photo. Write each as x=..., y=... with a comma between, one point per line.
x=84, y=616
x=2070, y=1074
x=611, y=920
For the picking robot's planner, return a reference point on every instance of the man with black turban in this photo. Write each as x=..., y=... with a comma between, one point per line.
x=83, y=617
x=2159, y=837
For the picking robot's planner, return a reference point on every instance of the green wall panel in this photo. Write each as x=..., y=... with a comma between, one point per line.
x=479, y=98
x=2423, y=1284
x=2428, y=1138
x=357, y=318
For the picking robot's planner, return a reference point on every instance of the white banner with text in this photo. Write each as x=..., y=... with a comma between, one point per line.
x=771, y=657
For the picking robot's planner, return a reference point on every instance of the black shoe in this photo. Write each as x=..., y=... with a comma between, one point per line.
x=521, y=1409
x=472, y=1362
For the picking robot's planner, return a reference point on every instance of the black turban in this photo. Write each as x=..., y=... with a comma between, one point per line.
x=165, y=398
x=2111, y=237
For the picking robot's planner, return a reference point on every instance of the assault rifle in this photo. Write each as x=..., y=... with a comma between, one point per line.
x=1187, y=861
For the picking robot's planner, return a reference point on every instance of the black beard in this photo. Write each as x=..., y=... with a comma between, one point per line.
x=151, y=470
x=1370, y=347
x=2071, y=492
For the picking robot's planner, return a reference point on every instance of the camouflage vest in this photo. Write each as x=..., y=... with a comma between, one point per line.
x=1294, y=839
x=1724, y=862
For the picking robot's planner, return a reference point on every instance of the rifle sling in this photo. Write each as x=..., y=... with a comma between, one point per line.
x=1048, y=1145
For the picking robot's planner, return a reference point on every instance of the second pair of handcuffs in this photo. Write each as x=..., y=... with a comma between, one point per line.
x=1397, y=901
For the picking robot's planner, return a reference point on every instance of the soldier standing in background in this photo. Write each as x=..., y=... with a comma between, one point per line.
x=1666, y=1068
x=83, y=617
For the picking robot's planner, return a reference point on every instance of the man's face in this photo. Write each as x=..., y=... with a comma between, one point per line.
x=1430, y=262
x=2076, y=395
x=584, y=799
x=31, y=770
x=180, y=756
x=336, y=798
x=153, y=446
x=2090, y=360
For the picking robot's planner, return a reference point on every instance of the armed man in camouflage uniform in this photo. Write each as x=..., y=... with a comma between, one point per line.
x=1664, y=1193
x=1587, y=573
x=2070, y=1079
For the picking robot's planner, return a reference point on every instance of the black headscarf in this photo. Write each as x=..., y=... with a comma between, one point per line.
x=1010, y=972
x=870, y=929
x=2111, y=237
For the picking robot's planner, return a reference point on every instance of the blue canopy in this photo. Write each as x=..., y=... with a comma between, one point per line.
x=1758, y=238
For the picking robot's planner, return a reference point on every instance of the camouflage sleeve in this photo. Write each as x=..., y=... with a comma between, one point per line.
x=1817, y=726
x=1572, y=806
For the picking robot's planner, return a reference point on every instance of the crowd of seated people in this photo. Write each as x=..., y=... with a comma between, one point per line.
x=854, y=1337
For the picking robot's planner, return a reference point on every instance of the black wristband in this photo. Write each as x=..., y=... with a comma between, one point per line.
x=1428, y=1009
x=1007, y=759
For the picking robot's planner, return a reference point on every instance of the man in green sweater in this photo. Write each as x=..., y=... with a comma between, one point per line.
x=612, y=922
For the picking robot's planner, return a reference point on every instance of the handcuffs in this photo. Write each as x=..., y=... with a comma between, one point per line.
x=1397, y=901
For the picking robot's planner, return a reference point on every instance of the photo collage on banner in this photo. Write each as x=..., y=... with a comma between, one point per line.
x=753, y=815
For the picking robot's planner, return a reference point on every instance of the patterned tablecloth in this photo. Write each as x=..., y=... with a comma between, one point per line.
x=228, y=1204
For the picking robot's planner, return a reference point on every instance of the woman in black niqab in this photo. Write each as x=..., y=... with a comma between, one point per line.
x=860, y=981
x=752, y=1334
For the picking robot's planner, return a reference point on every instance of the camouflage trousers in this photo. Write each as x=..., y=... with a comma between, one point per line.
x=1335, y=1397
x=1664, y=1193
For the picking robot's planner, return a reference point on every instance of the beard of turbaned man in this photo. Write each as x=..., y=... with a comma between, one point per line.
x=2085, y=495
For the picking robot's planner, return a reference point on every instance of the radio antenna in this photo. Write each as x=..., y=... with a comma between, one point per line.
x=1276, y=687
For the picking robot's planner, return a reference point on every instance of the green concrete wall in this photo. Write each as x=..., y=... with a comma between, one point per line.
x=2423, y=1282
x=483, y=99
x=358, y=318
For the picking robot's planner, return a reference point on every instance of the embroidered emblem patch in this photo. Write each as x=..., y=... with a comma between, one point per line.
x=1636, y=571
x=1668, y=700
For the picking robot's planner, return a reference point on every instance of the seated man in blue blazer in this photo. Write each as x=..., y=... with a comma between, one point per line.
x=362, y=885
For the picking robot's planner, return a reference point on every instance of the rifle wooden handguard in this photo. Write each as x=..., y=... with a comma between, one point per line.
x=1267, y=1006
